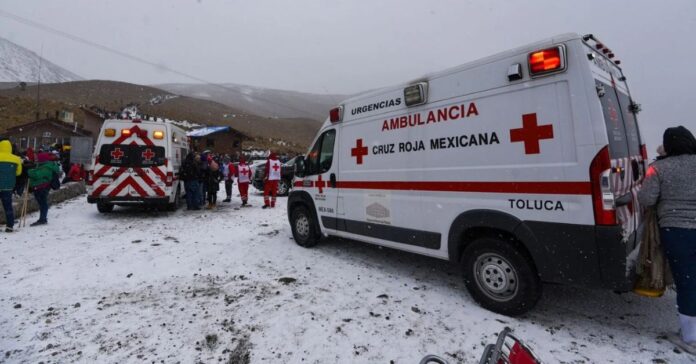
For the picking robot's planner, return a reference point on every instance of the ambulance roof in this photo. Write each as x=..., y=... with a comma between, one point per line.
x=526, y=48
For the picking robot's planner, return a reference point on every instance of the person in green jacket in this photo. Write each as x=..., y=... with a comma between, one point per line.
x=10, y=168
x=40, y=182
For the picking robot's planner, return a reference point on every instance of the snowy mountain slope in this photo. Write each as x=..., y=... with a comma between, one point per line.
x=261, y=101
x=20, y=64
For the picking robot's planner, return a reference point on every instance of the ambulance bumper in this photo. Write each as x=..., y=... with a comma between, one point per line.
x=127, y=200
x=582, y=255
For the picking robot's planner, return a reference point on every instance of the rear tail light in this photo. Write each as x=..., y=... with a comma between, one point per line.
x=644, y=154
x=602, y=195
x=170, y=179
x=336, y=114
x=546, y=61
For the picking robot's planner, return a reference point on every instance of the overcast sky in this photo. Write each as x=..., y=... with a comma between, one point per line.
x=337, y=46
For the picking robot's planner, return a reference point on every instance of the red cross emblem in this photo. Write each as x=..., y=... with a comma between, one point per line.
x=275, y=167
x=531, y=133
x=320, y=184
x=359, y=151
x=117, y=153
x=148, y=154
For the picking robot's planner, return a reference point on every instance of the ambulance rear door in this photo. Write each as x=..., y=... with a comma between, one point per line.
x=627, y=160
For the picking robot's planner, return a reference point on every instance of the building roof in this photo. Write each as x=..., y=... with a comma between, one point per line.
x=68, y=127
x=208, y=130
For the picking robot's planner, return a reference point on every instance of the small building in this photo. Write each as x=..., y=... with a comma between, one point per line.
x=44, y=132
x=218, y=139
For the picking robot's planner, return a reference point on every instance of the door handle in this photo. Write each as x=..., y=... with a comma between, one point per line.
x=332, y=180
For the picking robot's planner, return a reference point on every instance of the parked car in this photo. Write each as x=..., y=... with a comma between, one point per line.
x=287, y=172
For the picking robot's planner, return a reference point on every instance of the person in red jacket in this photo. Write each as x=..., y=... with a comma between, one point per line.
x=270, y=184
x=75, y=173
x=243, y=179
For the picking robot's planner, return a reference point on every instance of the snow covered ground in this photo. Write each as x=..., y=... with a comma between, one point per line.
x=231, y=286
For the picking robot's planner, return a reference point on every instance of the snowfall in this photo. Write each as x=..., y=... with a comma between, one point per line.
x=229, y=285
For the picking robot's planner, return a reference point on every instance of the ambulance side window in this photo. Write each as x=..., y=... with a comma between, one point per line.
x=320, y=158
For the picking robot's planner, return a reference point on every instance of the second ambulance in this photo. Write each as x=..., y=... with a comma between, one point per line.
x=522, y=167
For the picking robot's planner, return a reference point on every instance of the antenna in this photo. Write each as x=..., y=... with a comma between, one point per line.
x=38, y=87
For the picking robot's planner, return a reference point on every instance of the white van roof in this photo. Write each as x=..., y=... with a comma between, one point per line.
x=539, y=44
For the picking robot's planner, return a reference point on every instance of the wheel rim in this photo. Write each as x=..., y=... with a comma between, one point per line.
x=282, y=188
x=496, y=277
x=302, y=225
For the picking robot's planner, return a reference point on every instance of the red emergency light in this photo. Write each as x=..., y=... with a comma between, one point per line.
x=546, y=61
x=336, y=114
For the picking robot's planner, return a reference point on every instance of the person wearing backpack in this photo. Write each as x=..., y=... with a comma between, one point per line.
x=41, y=179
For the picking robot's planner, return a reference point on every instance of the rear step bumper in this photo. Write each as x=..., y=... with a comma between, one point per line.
x=129, y=200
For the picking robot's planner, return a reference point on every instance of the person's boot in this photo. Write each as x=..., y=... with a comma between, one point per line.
x=39, y=222
x=265, y=206
x=210, y=206
x=9, y=229
x=227, y=200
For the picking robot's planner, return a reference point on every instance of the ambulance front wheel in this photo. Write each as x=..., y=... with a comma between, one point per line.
x=304, y=228
x=500, y=276
x=104, y=207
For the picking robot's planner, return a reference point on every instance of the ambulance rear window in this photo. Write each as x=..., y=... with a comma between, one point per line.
x=131, y=155
x=616, y=131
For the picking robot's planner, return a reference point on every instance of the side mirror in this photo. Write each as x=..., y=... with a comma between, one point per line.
x=300, y=166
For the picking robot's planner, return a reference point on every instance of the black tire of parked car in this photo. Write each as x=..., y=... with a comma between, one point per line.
x=104, y=207
x=500, y=276
x=304, y=228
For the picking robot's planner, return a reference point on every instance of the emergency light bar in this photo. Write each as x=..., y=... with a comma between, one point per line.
x=545, y=61
x=336, y=114
x=417, y=94
x=109, y=132
x=125, y=132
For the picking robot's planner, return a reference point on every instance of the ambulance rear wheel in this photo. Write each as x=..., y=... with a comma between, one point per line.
x=177, y=201
x=104, y=208
x=500, y=277
x=304, y=228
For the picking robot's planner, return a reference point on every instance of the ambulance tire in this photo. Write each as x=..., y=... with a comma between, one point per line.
x=304, y=227
x=500, y=276
x=283, y=187
x=104, y=207
x=177, y=201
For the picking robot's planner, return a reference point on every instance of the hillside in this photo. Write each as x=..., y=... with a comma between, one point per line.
x=112, y=95
x=19, y=64
x=261, y=101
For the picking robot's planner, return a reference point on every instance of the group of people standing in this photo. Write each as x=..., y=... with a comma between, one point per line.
x=35, y=173
x=202, y=174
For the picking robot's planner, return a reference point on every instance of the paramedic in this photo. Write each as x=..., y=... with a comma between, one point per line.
x=243, y=179
x=270, y=185
x=228, y=173
x=669, y=184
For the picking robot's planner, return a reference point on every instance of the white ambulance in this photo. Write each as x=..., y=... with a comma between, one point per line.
x=137, y=162
x=522, y=167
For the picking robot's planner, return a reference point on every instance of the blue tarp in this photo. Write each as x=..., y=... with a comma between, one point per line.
x=197, y=133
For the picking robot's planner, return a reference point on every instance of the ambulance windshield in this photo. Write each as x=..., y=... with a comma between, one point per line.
x=131, y=155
